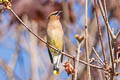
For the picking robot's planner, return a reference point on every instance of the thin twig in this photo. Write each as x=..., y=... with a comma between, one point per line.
x=118, y=33
x=73, y=75
x=106, y=20
x=109, y=41
x=76, y=62
x=7, y=69
x=80, y=39
x=111, y=54
x=81, y=61
x=11, y=74
x=105, y=9
x=100, y=34
x=86, y=39
x=98, y=56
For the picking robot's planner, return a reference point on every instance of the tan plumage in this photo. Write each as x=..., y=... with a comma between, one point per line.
x=55, y=38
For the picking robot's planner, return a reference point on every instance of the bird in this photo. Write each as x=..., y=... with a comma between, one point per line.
x=55, y=38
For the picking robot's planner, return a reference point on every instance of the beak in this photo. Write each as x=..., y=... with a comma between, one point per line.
x=59, y=12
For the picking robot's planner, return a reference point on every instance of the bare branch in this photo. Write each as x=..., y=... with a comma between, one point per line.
x=100, y=34
x=118, y=33
x=8, y=70
x=80, y=39
x=109, y=41
x=86, y=38
x=105, y=19
x=98, y=56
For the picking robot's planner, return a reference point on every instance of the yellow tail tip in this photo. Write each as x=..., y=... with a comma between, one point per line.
x=55, y=72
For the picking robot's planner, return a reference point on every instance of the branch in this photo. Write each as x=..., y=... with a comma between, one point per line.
x=8, y=70
x=98, y=56
x=109, y=41
x=105, y=19
x=86, y=39
x=101, y=39
x=80, y=40
x=100, y=34
x=118, y=33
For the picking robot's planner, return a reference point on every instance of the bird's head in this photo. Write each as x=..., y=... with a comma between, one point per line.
x=54, y=14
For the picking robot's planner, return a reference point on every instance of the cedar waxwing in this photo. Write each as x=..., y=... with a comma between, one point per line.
x=55, y=38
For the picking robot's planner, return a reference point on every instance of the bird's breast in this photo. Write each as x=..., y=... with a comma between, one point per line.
x=55, y=29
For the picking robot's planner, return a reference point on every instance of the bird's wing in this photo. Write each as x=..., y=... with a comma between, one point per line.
x=63, y=49
x=51, y=58
x=61, y=58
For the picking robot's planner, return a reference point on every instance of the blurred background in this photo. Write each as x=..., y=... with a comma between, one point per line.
x=24, y=57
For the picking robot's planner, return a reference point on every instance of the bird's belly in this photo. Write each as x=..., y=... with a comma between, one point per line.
x=55, y=38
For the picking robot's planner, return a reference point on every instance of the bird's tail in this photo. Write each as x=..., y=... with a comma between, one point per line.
x=56, y=63
x=55, y=69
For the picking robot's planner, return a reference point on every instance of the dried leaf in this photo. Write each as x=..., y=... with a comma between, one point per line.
x=69, y=68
